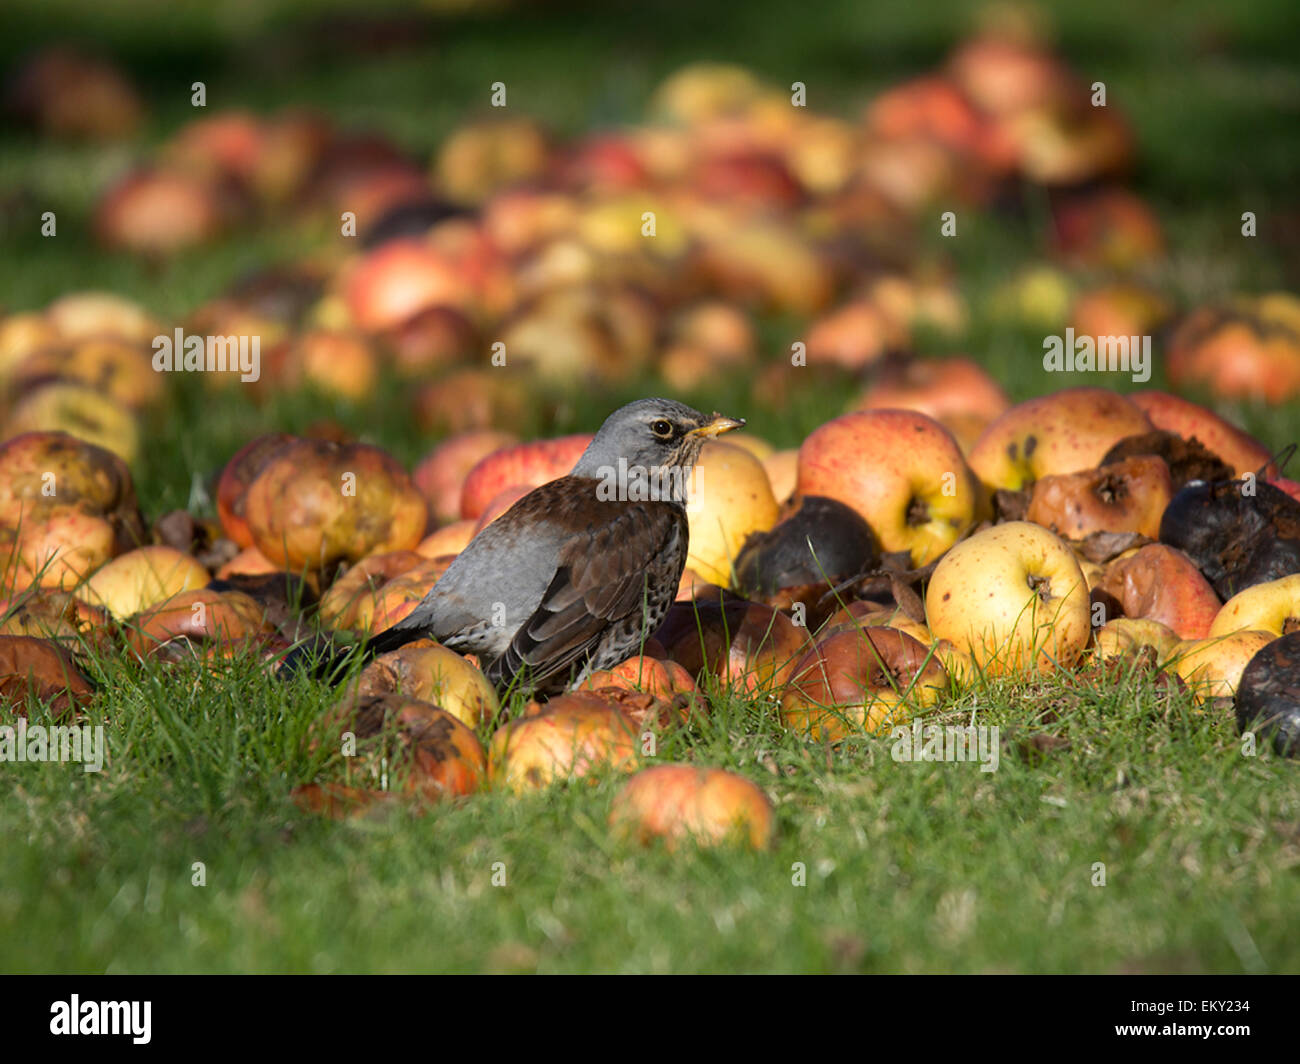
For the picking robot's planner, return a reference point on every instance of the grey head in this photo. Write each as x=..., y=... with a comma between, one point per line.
x=648, y=448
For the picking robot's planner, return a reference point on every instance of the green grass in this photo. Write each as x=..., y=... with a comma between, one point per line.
x=908, y=867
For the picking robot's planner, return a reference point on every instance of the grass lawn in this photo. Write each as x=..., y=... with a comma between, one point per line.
x=906, y=867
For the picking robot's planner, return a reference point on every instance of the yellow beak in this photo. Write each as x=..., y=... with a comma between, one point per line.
x=717, y=425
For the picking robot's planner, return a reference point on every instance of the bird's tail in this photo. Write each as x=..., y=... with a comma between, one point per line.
x=323, y=659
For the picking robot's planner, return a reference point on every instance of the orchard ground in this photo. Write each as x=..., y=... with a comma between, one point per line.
x=1124, y=831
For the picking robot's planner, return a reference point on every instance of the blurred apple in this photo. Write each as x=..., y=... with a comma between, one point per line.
x=531, y=464
x=686, y=804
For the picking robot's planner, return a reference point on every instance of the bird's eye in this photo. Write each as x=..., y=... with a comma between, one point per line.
x=661, y=428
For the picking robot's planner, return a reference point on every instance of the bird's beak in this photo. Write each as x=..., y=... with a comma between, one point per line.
x=717, y=425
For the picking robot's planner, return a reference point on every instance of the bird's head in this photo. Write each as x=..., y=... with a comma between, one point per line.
x=657, y=440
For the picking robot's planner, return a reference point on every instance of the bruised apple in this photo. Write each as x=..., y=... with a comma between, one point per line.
x=1127, y=496
x=1242, y=452
x=685, y=803
x=317, y=502
x=1127, y=635
x=572, y=737
x=901, y=471
x=235, y=480
x=747, y=645
x=868, y=680
x=1013, y=598
x=203, y=618
x=1065, y=432
x=434, y=674
x=1160, y=583
x=408, y=745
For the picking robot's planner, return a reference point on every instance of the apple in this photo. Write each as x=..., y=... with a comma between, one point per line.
x=43, y=473
x=1273, y=606
x=91, y=315
x=750, y=647
x=939, y=388
x=1191, y=421
x=853, y=337
x=54, y=615
x=1127, y=496
x=248, y=562
x=1160, y=583
x=1013, y=598
x=663, y=679
x=705, y=90
x=317, y=503
x=481, y=157
x=861, y=680
x=1268, y=696
x=1212, y=667
x=212, y=620
x=769, y=262
x=1118, y=310
x=572, y=737
x=431, y=339
x=120, y=369
x=471, y=399
x=236, y=478
x=1110, y=228
x=405, y=744
x=66, y=93
x=934, y=110
x=159, y=212
x=52, y=548
x=729, y=500
x=1249, y=350
x=532, y=464
x=747, y=181
x=433, y=674
x=448, y=540
x=80, y=411
x=1065, y=432
x=336, y=363
x=902, y=471
x=1126, y=635
x=863, y=613
x=349, y=601
x=223, y=145
x=687, y=804
x=521, y=219
x=22, y=335
x=782, y=469
x=390, y=284
x=142, y=578
x=40, y=669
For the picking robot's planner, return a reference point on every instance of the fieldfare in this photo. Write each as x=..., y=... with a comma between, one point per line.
x=579, y=572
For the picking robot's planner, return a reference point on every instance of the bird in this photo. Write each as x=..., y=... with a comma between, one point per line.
x=576, y=574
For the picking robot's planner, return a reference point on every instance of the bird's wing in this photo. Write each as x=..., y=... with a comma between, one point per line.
x=599, y=582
